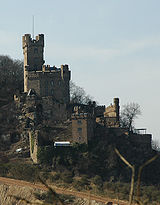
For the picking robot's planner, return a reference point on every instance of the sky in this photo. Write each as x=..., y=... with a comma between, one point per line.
x=111, y=46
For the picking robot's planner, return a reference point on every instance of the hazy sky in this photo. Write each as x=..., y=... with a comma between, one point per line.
x=111, y=46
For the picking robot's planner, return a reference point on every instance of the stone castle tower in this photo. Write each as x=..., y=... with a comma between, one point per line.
x=83, y=125
x=111, y=114
x=33, y=55
x=44, y=80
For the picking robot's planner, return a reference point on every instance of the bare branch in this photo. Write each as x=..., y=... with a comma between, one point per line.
x=133, y=175
x=129, y=113
x=123, y=159
x=78, y=94
x=139, y=175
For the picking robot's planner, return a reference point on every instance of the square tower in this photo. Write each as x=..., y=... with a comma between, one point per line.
x=44, y=80
x=83, y=125
x=33, y=55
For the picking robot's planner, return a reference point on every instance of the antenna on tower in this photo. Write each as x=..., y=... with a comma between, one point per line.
x=33, y=27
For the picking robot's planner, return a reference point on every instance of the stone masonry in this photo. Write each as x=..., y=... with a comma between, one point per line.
x=83, y=127
x=44, y=80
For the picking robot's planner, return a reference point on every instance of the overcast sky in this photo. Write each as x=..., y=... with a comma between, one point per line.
x=111, y=46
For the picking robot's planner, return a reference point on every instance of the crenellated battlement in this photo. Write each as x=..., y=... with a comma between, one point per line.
x=28, y=41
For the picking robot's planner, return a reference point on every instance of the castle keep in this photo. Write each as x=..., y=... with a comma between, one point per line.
x=44, y=80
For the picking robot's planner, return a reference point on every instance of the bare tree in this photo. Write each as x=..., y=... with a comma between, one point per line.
x=11, y=71
x=11, y=77
x=139, y=177
x=156, y=145
x=129, y=113
x=133, y=175
x=78, y=94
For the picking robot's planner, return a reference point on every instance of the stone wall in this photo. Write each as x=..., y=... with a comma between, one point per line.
x=112, y=110
x=53, y=83
x=38, y=108
x=82, y=128
x=34, y=142
x=111, y=114
x=53, y=110
x=44, y=80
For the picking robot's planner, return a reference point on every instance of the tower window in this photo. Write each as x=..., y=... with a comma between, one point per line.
x=79, y=122
x=52, y=83
x=35, y=50
x=79, y=129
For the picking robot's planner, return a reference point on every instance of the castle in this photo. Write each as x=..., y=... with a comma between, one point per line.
x=46, y=98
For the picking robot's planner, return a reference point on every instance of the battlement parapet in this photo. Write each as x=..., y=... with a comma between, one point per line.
x=49, y=72
x=28, y=41
x=99, y=110
x=64, y=67
x=82, y=116
x=65, y=73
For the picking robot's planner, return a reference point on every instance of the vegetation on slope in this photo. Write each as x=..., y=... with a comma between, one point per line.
x=11, y=78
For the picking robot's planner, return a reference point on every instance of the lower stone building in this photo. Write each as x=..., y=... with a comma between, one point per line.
x=83, y=126
x=37, y=107
x=111, y=114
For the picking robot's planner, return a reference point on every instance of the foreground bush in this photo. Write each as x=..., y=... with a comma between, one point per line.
x=19, y=170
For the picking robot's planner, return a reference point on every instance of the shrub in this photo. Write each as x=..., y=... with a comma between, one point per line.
x=3, y=170
x=48, y=197
x=97, y=180
x=151, y=193
x=67, y=177
x=45, y=175
x=77, y=184
x=84, y=180
x=45, y=154
x=23, y=171
x=54, y=177
x=109, y=186
x=82, y=183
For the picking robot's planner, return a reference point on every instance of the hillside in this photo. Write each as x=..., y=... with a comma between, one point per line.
x=95, y=167
x=31, y=191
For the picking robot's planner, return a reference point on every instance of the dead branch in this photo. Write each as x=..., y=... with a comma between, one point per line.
x=139, y=176
x=132, y=177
